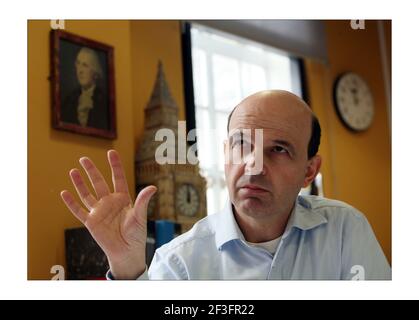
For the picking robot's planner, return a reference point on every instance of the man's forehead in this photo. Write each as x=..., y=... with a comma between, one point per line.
x=273, y=126
x=272, y=122
x=268, y=134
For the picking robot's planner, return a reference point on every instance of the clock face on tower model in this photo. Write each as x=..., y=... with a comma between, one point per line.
x=353, y=101
x=187, y=200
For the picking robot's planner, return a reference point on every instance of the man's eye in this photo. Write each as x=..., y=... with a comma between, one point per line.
x=279, y=149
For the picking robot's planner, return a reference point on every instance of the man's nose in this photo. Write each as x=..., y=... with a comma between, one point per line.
x=253, y=162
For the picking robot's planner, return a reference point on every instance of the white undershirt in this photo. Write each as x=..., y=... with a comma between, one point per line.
x=270, y=246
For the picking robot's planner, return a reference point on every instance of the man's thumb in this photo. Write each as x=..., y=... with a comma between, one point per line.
x=143, y=198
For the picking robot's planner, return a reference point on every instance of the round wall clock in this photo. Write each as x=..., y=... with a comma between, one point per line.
x=353, y=101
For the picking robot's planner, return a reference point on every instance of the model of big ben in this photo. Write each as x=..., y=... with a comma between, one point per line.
x=181, y=194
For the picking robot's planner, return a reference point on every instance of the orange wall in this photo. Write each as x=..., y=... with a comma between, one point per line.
x=151, y=41
x=356, y=166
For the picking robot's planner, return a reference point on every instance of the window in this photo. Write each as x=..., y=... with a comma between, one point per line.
x=226, y=69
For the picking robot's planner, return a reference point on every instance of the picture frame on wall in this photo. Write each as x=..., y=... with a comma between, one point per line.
x=82, y=85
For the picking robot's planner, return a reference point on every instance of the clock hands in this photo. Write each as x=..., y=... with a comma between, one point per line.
x=188, y=195
x=354, y=92
x=187, y=200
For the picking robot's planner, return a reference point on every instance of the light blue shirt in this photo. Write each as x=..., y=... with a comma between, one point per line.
x=324, y=239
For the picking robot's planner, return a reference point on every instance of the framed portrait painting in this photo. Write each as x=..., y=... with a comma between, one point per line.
x=83, y=85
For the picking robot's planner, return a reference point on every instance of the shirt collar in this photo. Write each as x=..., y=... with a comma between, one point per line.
x=227, y=227
x=302, y=217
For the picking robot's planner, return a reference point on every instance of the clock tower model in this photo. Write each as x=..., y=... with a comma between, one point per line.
x=181, y=190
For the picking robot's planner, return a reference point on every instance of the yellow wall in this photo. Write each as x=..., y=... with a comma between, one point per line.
x=152, y=41
x=356, y=167
x=51, y=153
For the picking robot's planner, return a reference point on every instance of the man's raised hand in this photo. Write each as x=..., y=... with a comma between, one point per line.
x=118, y=226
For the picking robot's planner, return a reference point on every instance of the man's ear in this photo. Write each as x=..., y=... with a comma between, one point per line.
x=312, y=169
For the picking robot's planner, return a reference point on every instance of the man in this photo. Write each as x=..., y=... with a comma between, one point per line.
x=87, y=105
x=266, y=230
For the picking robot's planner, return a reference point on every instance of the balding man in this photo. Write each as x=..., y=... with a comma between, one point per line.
x=266, y=230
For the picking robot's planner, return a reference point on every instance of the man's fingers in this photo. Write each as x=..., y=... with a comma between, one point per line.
x=82, y=190
x=118, y=176
x=95, y=177
x=74, y=206
x=141, y=203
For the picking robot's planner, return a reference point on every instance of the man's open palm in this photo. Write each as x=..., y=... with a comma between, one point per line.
x=118, y=226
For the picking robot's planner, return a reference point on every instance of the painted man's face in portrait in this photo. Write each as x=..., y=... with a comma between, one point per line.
x=86, y=74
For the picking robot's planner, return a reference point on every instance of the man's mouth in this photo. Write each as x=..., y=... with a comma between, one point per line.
x=253, y=189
